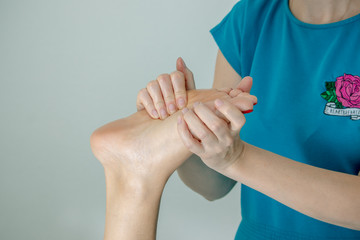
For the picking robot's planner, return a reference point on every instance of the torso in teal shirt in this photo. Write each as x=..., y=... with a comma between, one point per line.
x=306, y=78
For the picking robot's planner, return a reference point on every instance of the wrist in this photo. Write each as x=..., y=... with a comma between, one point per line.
x=234, y=168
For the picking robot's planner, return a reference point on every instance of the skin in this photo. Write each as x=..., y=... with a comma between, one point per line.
x=289, y=186
x=135, y=179
x=194, y=173
x=167, y=94
x=295, y=192
x=329, y=196
x=137, y=167
x=209, y=183
x=324, y=11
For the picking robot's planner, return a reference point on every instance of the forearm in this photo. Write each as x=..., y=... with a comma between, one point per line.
x=326, y=195
x=131, y=208
x=207, y=182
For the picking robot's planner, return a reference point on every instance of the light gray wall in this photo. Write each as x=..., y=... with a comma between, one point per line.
x=66, y=68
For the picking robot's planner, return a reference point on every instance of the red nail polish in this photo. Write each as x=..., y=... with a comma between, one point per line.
x=248, y=111
x=255, y=103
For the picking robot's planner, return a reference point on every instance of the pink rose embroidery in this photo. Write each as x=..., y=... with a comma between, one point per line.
x=348, y=90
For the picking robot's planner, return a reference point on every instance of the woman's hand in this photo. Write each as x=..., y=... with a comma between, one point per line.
x=165, y=95
x=212, y=136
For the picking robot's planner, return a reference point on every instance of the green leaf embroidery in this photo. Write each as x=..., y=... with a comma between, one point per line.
x=324, y=95
x=330, y=86
x=339, y=104
x=330, y=94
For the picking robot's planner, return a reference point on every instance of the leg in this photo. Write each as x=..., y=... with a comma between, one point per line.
x=139, y=154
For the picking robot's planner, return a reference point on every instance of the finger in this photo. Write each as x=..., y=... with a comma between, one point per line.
x=235, y=92
x=155, y=93
x=226, y=89
x=249, y=96
x=139, y=105
x=245, y=84
x=167, y=92
x=232, y=113
x=187, y=138
x=144, y=101
x=243, y=103
x=198, y=128
x=212, y=107
x=189, y=76
x=178, y=83
x=217, y=125
x=238, y=93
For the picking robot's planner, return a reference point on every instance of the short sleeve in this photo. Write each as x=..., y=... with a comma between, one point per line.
x=227, y=35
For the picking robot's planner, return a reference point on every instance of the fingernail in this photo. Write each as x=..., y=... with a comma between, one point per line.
x=255, y=103
x=172, y=108
x=248, y=111
x=155, y=114
x=185, y=110
x=181, y=102
x=179, y=119
x=218, y=102
x=163, y=113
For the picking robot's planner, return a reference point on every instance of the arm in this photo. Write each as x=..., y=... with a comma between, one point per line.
x=326, y=195
x=329, y=196
x=137, y=167
x=194, y=173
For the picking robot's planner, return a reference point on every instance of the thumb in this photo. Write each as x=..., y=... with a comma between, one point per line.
x=245, y=84
x=189, y=76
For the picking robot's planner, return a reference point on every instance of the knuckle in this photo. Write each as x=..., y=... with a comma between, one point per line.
x=229, y=141
x=217, y=126
x=237, y=128
x=159, y=104
x=152, y=84
x=186, y=116
x=239, y=124
x=180, y=92
x=235, y=93
x=147, y=104
x=177, y=75
x=203, y=135
x=163, y=78
x=142, y=92
x=226, y=109
x=169, y=98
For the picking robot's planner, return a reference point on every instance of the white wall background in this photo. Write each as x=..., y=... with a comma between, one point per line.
x=68, y=67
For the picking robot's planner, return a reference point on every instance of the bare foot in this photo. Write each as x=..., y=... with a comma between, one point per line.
x=140, y=147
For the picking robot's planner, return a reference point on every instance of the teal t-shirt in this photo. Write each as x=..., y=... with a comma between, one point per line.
x=306, y=78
